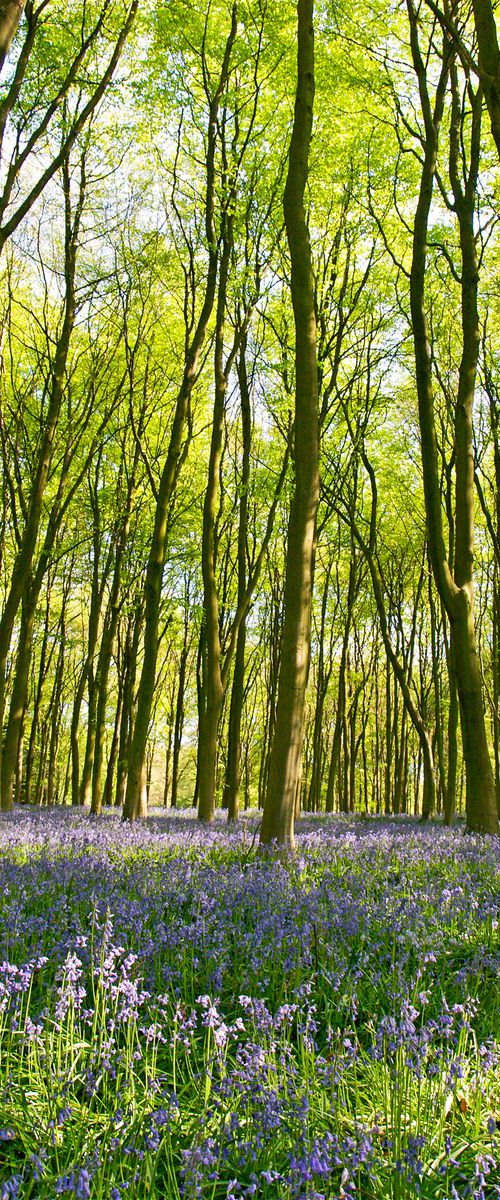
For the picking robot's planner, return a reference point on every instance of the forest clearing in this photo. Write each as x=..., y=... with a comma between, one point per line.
x=249, y=600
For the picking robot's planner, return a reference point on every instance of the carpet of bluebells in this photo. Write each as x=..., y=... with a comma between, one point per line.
x=182, y=1016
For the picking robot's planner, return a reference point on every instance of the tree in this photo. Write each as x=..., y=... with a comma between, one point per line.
x=285, y=764
x=34, y=117
x=11, y=12
x=455, y=589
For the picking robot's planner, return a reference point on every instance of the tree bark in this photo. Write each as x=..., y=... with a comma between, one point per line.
x=214, y=689
x=107, y=795
x=179, y=707
x=489, y=62
x=273, y=644
x=233, y=767
x=43, y=666
x=324, y=672
x=455, y=589
x=342, y=686
x=11, y=12
x=128, y=666
x=285, y=764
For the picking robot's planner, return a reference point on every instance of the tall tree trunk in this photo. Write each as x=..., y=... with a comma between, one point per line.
x=92, y=634
x=43, y=666
x=342, y=686
x=496, y=678
x=353, y=751
x=273, y=643
x=489, y=62
x=214, y=690
x=18, y=784
x=314, y=796
x=41, y=787
x=388, y=741
x=455, y=589
x=453, y=713
x=399, y=780
x=17, y=703
x=179, y=709
x=55, y=713
x=129, y=667
x=233, y=767
x=85, y=792
x=107, y=795
x=170, y=738
x=285, y=765
x=436, y=641
x=74, y=742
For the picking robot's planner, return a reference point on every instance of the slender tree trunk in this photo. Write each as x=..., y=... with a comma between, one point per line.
x=436, y=681
x=489, y=62
x=129, y=667
x=166, y=776
x=41, y=787
x=314, y=796
x=388, y=741
x=233, y=766
x=378, y=756
x=92, y=635
x=418, y=772
x=342, y=685
x=274, y=651
x=74, y=742
x=17, y=704
x=179, y=717
x=18, y=784
x=455, y=590
x=496, y=675
x=353, y=748
x=107, y=795
x=43, y=666
x=102, y=678
x=232, y=782
x=214, y=691
x=285, y=765
x=453, y=714
x=85, y=794
x=55, y=718
x=399, y=781
x=170, y=738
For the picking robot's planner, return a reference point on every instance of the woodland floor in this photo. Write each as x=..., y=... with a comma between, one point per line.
x=183, y=1016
